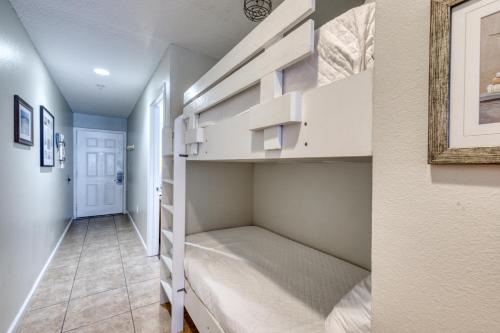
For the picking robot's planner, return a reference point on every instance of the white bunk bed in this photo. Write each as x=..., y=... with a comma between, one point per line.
x=307, y=105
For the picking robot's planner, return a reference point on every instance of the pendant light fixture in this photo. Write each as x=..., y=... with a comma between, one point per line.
x=257, y=10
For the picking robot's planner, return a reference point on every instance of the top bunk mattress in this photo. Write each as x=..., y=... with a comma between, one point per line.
x=253, y=280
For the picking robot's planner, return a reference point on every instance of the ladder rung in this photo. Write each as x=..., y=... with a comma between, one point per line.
x=169, y=234
x=168, y=262
x=168, y=181
x=167, y=288
x=169, y=208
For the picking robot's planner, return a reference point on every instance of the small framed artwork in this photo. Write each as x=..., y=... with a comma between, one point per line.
x=23, y=122
x=464, y=89
x=46, y=138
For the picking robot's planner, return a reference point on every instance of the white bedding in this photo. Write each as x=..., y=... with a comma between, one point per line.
x=344, y=47
x=353, y=314
x=255, y=281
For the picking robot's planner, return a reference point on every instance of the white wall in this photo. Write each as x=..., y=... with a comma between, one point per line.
x=35, y=202
x=326, y=10
x=179, y=68
x=436, y=229
x=82, y=120
x=323, y=205
x=218, y=196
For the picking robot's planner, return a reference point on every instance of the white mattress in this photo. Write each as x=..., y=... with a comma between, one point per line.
x=253, y=280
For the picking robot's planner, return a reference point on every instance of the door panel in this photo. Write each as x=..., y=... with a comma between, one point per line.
x=109, y=194
x=91, y=194
x=110, y=164
x=110, y=143
x=91, y=164
x=99, y=164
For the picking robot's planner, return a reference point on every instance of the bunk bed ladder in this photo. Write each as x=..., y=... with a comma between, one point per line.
x=172, y=281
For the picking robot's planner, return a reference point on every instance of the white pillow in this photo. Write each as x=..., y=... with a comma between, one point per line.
x=353, y=313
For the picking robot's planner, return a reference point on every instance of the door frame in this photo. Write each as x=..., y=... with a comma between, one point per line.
x=75, y=165
x=155, y=156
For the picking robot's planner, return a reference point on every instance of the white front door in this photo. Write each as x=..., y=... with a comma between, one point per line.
x=99, y=174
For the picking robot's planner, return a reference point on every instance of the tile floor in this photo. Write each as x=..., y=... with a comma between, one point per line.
x=100, y=280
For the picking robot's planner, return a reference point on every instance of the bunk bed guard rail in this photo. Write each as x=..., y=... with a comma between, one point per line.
x=260, y=57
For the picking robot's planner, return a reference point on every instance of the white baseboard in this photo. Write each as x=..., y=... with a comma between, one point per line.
x=22, y=310
x=138, y=233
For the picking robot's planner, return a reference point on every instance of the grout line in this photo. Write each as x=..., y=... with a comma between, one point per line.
x=96, y=322
x=124, y=276
x=47, y=306
x=133, y=284
x=99, y=292
x=74, y=277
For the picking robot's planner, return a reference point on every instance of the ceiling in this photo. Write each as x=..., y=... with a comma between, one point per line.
x=127, y=37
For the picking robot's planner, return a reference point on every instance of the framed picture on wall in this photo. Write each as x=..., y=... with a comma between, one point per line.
x=46, y=138
x=464, y=95
x=23, y=122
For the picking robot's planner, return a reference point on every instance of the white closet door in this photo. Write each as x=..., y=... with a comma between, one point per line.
x=100, y=175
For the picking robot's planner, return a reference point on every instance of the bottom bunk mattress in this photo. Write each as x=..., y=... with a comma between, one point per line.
x=252, y=280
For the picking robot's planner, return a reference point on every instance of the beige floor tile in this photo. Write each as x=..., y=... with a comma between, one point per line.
x=64, y=260
x=132, y=251
x=101, y=219
x=100, y=236
x=102, y=267
x=70, y=249
x=128, y=235
x=124, y=226
x=73, y=241
x=101, y=246
x=52, y=291
x=151, y=319
x=96, y=283
x=91, y=309
x=140, y=260
x=100, y=231
x=46, y=320
x=144, y=293
x=118, y=324
x=132, y=242
x=96, y=256
x=91, y=260
x=101, y=224
x=64, y=272
x=75, y=234
x=142, y=272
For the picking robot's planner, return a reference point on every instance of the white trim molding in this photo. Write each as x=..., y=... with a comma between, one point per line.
x=137, y=231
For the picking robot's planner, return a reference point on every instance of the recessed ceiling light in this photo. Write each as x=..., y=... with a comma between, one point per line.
x=101, y=71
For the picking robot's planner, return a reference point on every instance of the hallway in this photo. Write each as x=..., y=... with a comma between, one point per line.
x=100, y=280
